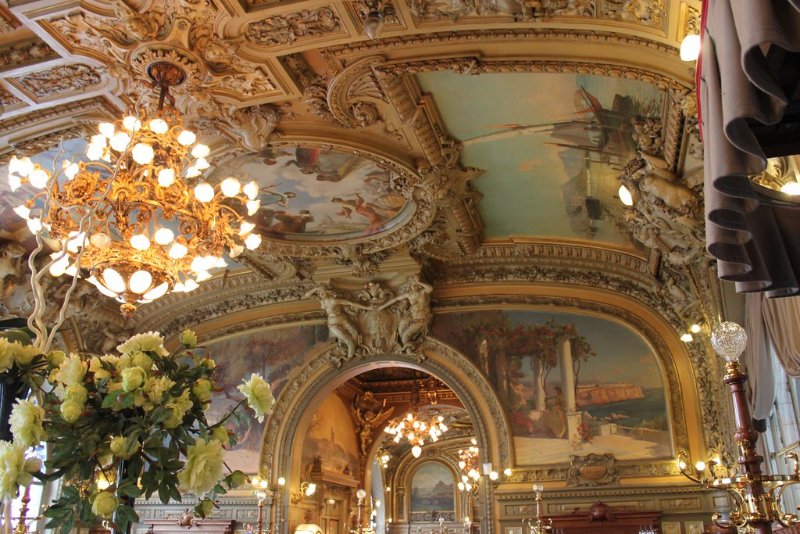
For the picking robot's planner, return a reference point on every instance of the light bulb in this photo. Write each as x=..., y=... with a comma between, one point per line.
x=71, y=170
x=106, y=128
x=94, y=152
x=230, y=186
x=251, y=190
x=186, y=138
x=164, y=236
x=14, y=182
x=246, y=228
x=142, y=153
x=34, y=225
x=166, y=177
x=131, y=123
x=493, y=475
x=192, y=172
x=38, y=178
x=202, y=276
x=281, y=481
x=100, y=240
x=23, y=211
x=197, y=264
x=416, y=450
x=120, y=141
x=690, y=48
x=99, y=140
x=681, y=464
x=204, y=192
x=235, y=251
x=507, y=471
x=177, y=251
x=140, y=281
x=200, y=151
x=158, y=126
x=625, y=195
x=201, y=163
x=113, y=280
x=75, y=241
x=21, y=166
x=253, y=206
x=252, y=241
x=157, y=292
x=700, y=466
x=140, y=242
x=59, y=266
x=695, y=328
x=190, y=285
x=791, y=188
x=687, y=337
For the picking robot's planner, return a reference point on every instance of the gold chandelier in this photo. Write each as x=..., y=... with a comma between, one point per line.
x=138, y=214
x=415, y=427
x=468, y=464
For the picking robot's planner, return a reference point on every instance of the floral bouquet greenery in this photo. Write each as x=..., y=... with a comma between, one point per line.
x=118, y=427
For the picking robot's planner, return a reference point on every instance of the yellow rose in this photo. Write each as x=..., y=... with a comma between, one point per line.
x=56, y=357
x=147, y=342
x=204, y=507
x=6, y=355
x=220, y=433
x=15, y=469
x=23, y=354
x=72, y=370
x=203, y=467
x=26, y=423
x=133, y=378
x=188, y=338
x=140, y=359
x=77, y=394
x=179, y=406
x=238, y=479
x=208, y=363
x=104, y=504
x=258, y=395
x=124, y=447
x=98, y=371
x=71, y=411
x=202, y=390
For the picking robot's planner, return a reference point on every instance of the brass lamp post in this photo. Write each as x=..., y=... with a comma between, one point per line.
x=756, y=496
x=538, y=525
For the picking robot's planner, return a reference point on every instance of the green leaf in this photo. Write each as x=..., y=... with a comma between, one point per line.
x=163, y=493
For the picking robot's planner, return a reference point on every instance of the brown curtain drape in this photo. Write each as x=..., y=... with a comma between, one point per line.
x=757, y=358
x=782, y=319
x=754, y=238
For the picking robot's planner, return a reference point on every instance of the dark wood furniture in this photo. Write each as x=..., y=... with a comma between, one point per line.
x=602, y=519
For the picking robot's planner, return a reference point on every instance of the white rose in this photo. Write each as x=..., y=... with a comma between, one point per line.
x=179, y=406
x=188, y=338
x=133, y=378
x=203, y=467
x=23, y=354
x=6, y=355
x=258, y=395
x=26, y=423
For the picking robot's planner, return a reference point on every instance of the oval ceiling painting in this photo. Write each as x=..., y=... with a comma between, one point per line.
x=313, y=193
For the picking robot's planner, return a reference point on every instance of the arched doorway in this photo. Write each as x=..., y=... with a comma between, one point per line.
x=322, y=386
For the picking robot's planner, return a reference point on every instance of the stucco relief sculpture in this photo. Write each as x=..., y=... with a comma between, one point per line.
x=667, y=211
x=377, y=320
x=369, y=413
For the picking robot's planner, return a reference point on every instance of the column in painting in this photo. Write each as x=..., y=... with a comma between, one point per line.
x=568, y=385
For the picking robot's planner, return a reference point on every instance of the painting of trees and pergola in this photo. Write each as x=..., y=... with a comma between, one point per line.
x=571, y=383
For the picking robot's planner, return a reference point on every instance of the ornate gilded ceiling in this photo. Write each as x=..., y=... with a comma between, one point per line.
x=475, y=140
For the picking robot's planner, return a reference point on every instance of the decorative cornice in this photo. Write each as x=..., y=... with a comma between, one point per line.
x=96, y=107
x=25, y=53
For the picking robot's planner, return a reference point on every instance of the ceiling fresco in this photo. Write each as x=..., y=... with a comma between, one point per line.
x=551, y=146
x=317, y=193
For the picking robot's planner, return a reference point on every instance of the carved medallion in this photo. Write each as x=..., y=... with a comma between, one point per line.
x=61, y=79
x=286, y=29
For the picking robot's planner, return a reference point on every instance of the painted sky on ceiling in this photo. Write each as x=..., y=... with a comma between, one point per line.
x=546, y=142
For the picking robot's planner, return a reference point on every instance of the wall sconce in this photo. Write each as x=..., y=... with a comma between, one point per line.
x=307, y=489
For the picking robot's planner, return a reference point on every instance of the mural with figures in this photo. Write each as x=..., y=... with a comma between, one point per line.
x=432, y=489
x=601, y=394
x=551, y=146
x=314, y=192
x=330, y=444
x=273, y=354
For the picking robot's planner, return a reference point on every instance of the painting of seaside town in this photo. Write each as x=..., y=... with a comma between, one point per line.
x=602, y=394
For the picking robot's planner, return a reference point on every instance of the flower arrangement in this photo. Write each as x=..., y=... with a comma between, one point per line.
x=120, y=426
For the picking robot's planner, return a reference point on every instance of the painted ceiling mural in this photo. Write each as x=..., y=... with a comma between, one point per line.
x=618, y=396
x=317, y=193
x=551, y=145
x=271, y=353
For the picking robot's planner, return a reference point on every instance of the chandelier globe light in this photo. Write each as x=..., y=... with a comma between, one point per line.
x=137, y=214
